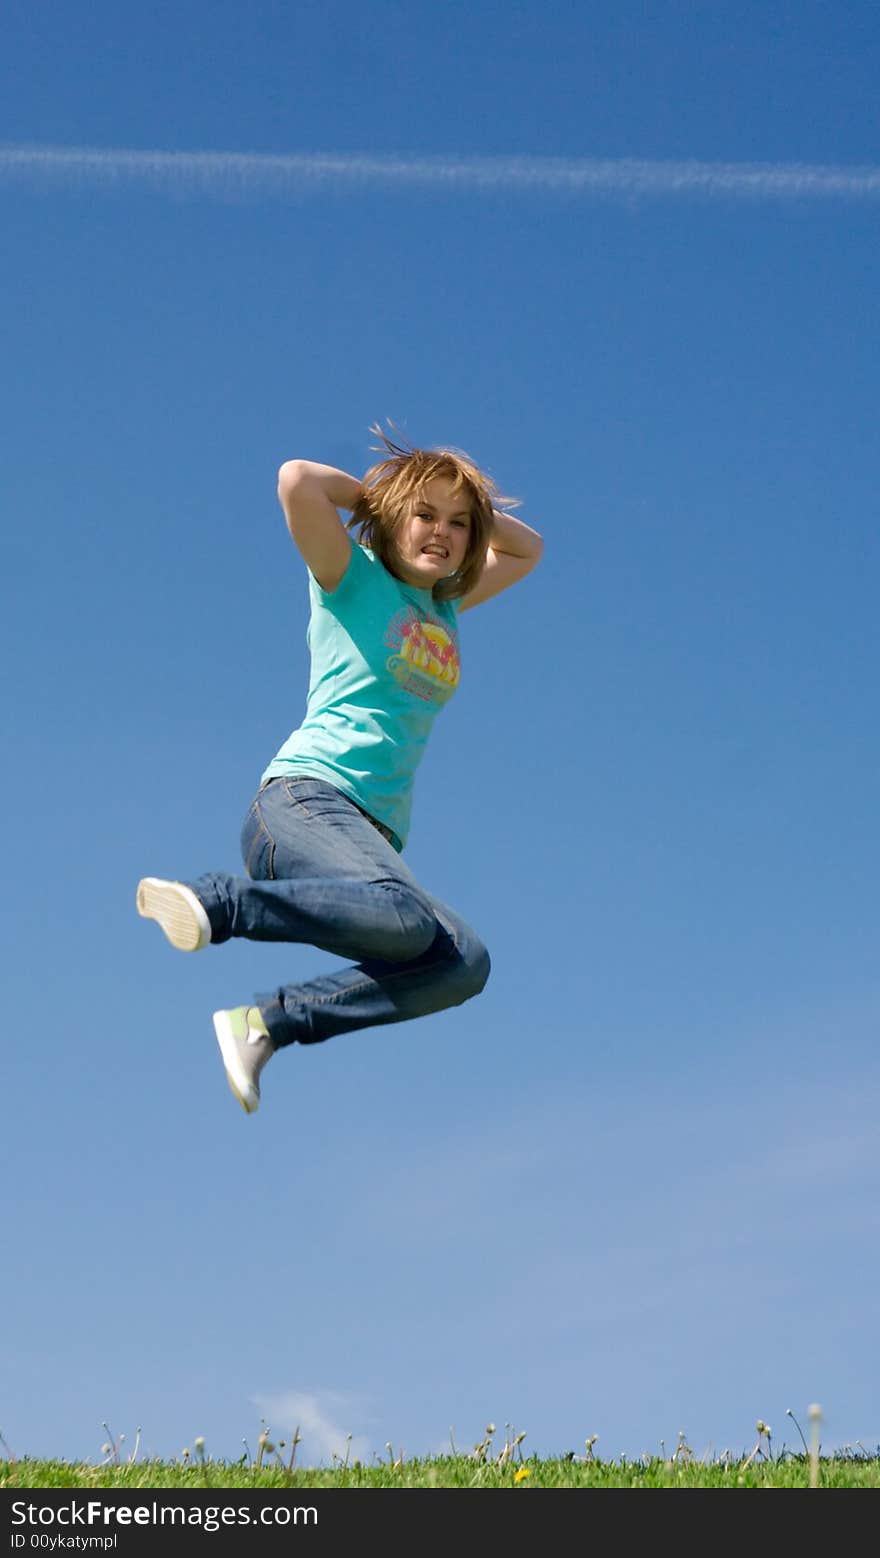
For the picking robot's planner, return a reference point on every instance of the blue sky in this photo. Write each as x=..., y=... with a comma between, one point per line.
x=633, y=1188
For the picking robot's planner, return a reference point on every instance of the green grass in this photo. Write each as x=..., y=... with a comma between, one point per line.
x=456, y=1471
x=449, y=1472
x=486, y=1466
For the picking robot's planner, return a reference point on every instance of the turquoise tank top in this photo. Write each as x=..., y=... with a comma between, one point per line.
x=384, y=662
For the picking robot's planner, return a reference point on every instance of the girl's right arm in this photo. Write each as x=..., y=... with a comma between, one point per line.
x=309, y=495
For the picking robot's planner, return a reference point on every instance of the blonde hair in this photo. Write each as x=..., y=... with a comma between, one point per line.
x=388, y=488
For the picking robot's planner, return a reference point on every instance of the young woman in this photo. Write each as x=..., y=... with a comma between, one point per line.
x=323, y=838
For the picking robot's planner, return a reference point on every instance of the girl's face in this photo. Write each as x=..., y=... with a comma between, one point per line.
x=433, y=538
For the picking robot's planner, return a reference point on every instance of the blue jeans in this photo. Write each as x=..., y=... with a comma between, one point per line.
x=320, y=872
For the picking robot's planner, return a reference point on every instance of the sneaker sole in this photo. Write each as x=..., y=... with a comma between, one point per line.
x=169, y=905
x=239, y=1085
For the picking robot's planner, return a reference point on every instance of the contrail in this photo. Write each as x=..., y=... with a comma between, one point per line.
x=235, y=175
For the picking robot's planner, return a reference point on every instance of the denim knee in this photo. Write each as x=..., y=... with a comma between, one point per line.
x=416, y=926
x=481, y=968
x=472, y=971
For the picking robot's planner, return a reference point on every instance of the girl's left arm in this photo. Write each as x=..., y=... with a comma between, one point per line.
x=514, y=549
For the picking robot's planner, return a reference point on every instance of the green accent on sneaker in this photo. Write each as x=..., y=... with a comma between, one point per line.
x=244, y=1020
x=238, y=1021
x=246, y=1046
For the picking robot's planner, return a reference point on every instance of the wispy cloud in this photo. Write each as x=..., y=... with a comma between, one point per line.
x=323, y=1420
x=226, y=175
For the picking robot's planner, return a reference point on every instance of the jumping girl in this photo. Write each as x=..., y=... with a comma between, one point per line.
x=323, y=838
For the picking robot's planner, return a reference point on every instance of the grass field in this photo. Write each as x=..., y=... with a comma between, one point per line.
x=486, y=1466
x=449, y=1472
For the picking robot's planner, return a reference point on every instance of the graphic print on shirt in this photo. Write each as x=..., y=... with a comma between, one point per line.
x=425, y=661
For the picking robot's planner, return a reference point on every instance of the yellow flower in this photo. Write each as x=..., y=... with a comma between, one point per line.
x=523, y=1472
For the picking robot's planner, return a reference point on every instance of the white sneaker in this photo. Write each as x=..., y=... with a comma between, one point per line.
x=245, y=1046
x=177, y=910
